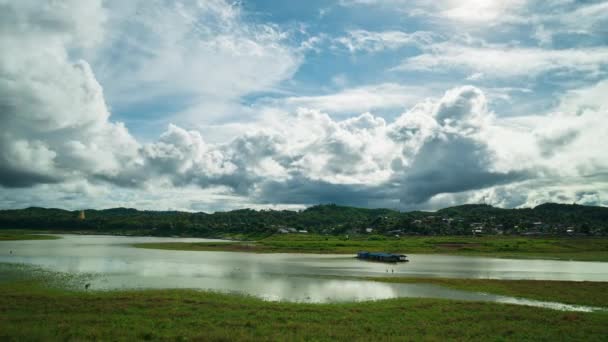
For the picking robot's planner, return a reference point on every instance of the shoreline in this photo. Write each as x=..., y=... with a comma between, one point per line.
x=190, y=314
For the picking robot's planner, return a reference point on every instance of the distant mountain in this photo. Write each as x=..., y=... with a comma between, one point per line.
x=548, y=218
x=573, y=211
x=471, y=208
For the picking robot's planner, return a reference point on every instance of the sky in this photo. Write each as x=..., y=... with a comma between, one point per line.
x=214, y=105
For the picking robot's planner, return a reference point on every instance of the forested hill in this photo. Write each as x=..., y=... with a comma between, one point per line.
x=549, y=218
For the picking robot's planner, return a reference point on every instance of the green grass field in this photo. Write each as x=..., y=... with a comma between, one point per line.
x=584, y=249
x=30, y=311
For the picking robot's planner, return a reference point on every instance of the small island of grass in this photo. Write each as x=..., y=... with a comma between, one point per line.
x=581, y=249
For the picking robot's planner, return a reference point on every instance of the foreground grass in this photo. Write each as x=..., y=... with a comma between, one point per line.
x=568, y=292
x=185, y=314
x=12, y=236
x=584, y=249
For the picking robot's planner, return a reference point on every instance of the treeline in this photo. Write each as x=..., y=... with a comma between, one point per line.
x=546, y=219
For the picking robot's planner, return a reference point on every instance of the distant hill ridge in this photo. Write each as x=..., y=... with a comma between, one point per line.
x=548, y=218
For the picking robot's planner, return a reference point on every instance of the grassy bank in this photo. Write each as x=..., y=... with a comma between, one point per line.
x=568, y=292
x=19, y=235
x=184, y=314
x=585, y=249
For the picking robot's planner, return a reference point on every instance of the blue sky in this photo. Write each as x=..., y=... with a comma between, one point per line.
x=213, y=105
x=329, y=66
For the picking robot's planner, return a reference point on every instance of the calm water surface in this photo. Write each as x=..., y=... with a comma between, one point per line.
x=114, y=264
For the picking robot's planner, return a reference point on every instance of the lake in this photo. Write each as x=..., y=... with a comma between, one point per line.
x=114, y=264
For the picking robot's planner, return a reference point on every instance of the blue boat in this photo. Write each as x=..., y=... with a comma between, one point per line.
x=383, y=257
